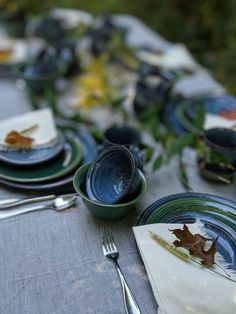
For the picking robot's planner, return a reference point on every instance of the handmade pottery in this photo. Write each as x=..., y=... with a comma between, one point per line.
x=113, y=176
x=102, y=210
x=221, y=142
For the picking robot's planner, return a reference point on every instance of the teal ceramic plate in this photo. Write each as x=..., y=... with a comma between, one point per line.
x=68, y=160
x=217, y=214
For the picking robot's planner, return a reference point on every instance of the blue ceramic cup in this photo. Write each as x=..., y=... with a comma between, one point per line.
x=122, y=135
x=221, y=143
x=127, y=136
x=113, y=177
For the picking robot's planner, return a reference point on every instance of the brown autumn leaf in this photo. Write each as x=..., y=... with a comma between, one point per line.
x=195, y=243
x=17, y=140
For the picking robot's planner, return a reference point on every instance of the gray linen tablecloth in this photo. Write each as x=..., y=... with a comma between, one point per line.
x=52, y=263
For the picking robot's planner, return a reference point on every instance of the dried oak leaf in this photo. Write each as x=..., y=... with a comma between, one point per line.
x=195, y=243
x=17, y=140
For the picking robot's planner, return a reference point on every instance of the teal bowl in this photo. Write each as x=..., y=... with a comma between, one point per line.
x=42, y=81
x=15, y=29
x=105, y=211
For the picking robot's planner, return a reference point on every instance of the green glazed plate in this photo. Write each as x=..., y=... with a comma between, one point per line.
x=217, y=214
x=68, y=160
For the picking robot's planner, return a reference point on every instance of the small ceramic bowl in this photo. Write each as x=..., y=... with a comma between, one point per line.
x=122, y=135
x=15, y=23
x=222, y=141
x=113, y=176
x=40, y=81
x=106, y=211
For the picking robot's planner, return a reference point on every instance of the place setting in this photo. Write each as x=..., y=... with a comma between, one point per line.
x=45, y=160
x=99, y=164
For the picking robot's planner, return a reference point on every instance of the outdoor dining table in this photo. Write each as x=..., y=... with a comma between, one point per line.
x=52, y=263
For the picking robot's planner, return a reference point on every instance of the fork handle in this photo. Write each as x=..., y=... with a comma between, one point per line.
x=131, y=305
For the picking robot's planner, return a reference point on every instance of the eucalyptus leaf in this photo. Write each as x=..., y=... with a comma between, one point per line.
x=199, y=117
x=149, y=153
x=158, y=162
x=178, y=144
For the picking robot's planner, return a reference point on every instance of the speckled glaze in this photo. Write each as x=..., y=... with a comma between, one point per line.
x=106, y=211
x=33, y=156
x=113, y=176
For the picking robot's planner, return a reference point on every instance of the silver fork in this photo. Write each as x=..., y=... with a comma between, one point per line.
x=112, y=254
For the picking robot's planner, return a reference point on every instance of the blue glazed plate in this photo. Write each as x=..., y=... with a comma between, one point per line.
x=179, y=113
x=214, y=105
x=32, y=156
x=216, y=213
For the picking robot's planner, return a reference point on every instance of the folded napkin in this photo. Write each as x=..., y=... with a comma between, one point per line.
x=44, y=135
x=216, y=121
x=197, y=84
x=178, y=286
x=18, y=53
x=175, y=57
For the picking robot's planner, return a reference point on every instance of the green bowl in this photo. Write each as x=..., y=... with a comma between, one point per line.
x=41, y=81
x=15, y=29
x=105, y=211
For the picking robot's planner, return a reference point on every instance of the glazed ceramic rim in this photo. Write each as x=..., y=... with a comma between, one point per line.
x=103, y=155
x=133, y=201
x=71, y=141
x=135, y=132
x=187, y=195
x=211, y=144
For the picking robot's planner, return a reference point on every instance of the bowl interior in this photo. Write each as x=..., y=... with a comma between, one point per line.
x=110, y=179
x=222, y=138
x=123, y=135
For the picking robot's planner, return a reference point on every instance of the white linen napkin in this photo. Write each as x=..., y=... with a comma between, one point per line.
x=176, y=57
x=44, y=135
x=178, y=286
x=215, y=121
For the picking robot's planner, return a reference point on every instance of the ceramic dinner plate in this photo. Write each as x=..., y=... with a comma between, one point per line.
x=64, y=183
x=180, y=113
x=32, y=156
x=217, y=214
x=69, y=158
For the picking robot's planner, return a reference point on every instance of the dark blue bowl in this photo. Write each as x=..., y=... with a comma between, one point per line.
x=222, y=141
x=122, y=135
x=113, y=177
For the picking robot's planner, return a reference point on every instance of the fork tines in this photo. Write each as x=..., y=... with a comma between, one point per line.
x=108, y=239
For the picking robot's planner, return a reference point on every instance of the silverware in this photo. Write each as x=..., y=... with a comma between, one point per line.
x=58, y=204
x=111, y=252
x=4, y=204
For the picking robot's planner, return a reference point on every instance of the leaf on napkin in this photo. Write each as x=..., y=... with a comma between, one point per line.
x=195, y=243
x=17, y=140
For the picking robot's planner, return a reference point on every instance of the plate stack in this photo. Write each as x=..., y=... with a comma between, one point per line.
x=53, y=156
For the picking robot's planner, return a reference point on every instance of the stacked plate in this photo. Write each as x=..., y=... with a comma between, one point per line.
x=181, y=113
x=217, y=214
x=48, y=168
x=12, y=52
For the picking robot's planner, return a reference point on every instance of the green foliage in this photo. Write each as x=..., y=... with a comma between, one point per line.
x=208, y=28
x=158, y=162
x=177, y=145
